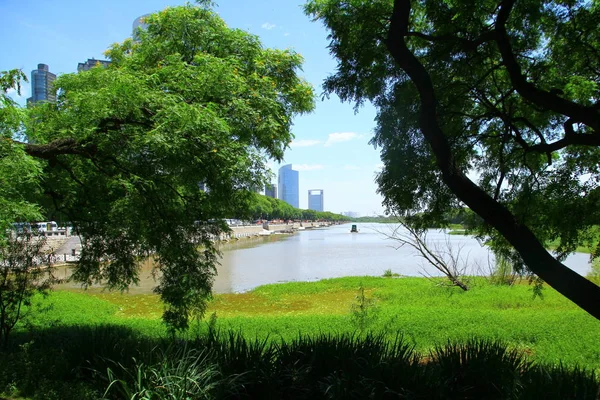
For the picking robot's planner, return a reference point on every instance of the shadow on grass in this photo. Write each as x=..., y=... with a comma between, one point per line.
x=81, y=362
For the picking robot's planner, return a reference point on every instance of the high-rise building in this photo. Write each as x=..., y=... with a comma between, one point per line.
x=139, y=22
x=271, y=190
x=42, y=85
x=90, y=63
x=315, y=199
x=288, y=186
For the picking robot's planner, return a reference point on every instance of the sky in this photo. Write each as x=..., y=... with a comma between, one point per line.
x=330, y=149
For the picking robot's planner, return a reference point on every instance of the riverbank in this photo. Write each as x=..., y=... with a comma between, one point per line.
x=67, y=350
x=460, y=230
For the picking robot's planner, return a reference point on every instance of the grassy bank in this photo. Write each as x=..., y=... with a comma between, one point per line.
x=550, y=329
x=85, y=333
x=587, y=248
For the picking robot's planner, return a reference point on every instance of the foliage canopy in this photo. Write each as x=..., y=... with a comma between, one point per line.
x=507, y=89
x=124, y=151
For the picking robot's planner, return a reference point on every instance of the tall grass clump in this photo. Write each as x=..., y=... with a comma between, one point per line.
x=558, y=382
x=478, y=369
x=364, y=310
x=503, y=272
x=349, y=366
x=389, y=274
x=346, y=366
x=227, y=365
x=247, y=363
x=183, y=373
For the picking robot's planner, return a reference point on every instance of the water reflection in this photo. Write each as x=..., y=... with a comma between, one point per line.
x=334, y=252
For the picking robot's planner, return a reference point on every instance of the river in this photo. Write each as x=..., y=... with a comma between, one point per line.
x=315, y=254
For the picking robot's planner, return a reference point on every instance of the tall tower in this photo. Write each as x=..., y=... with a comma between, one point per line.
x=288, y=186
x=139, y=22
x=315, y=199
x=41, y=85
x=271, y=190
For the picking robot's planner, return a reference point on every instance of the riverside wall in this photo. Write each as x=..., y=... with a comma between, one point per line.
x=239, y=232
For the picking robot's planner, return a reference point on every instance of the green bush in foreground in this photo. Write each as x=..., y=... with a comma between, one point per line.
x=127, y=365
x=353, y=366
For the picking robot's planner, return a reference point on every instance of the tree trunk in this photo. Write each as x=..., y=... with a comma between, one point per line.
x=566, y=281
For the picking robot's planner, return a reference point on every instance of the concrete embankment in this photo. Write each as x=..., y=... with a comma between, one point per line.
x=67, y=248
x=267, y=229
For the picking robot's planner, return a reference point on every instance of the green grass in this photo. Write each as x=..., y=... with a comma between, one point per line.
x=85, y=329
x=551, y=329
x=553, y=245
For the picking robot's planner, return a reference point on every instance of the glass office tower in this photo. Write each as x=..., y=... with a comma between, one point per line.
x=271, y=190
x=41, y=85
x=288, y=186
x=315, y=199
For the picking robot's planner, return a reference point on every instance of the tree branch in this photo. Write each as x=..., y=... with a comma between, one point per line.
x=529, y=91
x=572, y=285
x=58, y=147
x=467, y=44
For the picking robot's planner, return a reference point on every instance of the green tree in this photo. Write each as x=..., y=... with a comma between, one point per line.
x=124, y=150
x=19, y=173
x=507, y=89
x=25, y=270
x=260, y=207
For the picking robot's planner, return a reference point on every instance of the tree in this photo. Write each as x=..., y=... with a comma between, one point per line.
x=19, y=173
x=25, y=270
x=261, y=207
x=509, y=90
x=125, y=149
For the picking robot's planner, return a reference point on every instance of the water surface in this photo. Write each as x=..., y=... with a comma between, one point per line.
x=332, y=252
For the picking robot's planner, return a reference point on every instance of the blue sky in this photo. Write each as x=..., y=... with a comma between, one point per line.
x=331, y=148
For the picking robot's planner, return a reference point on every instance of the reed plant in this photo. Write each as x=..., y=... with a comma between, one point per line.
x=181, y=373
x=228, y=365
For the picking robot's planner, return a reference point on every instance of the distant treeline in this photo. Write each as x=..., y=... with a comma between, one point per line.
x=382, y=219
x=459, y=216
x=263, y=207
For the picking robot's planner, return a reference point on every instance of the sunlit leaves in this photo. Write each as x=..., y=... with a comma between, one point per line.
x=493, y=131
x=189, y=102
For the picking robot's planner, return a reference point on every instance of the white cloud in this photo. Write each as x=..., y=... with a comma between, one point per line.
x=351, y=168
x=12, y=93
x=304, y=143
x=286, y=34
x=307, y=167
x=339, y=137
x=268, y=26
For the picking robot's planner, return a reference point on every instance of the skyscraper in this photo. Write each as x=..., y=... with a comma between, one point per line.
x=271, y=190
x=41, y=85
x=288, y=186
x=91, y=63
x=139, y=22
x=315, y=199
